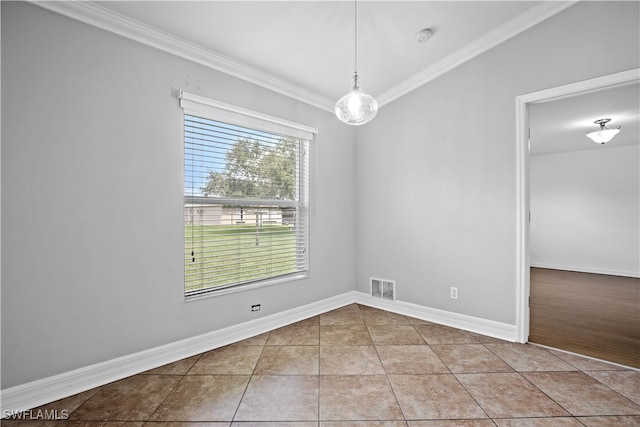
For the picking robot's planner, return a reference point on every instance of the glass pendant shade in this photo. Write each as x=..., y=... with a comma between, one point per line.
x=604, y=134
x=356, y=107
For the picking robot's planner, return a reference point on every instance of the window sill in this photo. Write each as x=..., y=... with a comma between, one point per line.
x=242, y=288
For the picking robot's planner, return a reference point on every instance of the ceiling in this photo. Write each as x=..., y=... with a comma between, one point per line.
x=310, y=44
x=561, y=125
x=305, y=49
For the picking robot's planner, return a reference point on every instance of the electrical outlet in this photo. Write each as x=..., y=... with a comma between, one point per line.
x=454, y=293
x=255, y=307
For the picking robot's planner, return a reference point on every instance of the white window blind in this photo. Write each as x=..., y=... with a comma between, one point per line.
x=246, y=183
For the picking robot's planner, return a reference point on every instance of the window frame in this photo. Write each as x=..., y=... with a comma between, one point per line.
x=206, y=108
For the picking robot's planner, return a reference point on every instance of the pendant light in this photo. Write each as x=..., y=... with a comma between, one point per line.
x=604, y=134
x=356, y=107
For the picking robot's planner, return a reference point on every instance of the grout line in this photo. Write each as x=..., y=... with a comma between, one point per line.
x=521, y=374
x=585, y=357
x=165, y=398
x=235, y=413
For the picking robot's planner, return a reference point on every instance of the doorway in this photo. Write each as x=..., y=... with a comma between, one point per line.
x=523, y=183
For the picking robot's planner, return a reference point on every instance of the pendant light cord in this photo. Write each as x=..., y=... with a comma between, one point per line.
x=355, y=36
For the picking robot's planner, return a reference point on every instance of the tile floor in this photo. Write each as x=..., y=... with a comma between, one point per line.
x=360, y=366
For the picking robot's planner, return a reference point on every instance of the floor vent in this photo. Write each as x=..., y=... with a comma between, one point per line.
x=381, y=288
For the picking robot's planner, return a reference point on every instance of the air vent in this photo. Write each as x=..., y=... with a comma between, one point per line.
x=381, y=288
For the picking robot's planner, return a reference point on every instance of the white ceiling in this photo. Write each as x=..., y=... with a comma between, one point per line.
x=561, y=125
x=311, y=43
x=305, y=49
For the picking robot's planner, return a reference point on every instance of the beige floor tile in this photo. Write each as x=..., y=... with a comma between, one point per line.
x=134, y=424
x=437, y=396
x=484, y=339
x=288, y=360
x=452, y=423
x=68, y=404
x=439, y=334
x=364, y=309
x=232, y=359
x=280, y=398
x=527, y=357
x=627, y=383
x=274, y=424
x=257, y=340
x=347, y=334
x=410, y=359
x=182, y=424
x=352, y=397
x=395, y=335
x=380, y=317
x=419, y=322
x=131, y=399
x=295, y=335
x=470, y=358
x=203, y=398
x=539, y=422
x=363, y=424
x=509, y=395
x=310, y=321
x=341, y=317
x=180, y=367
x=349, y=360
x=610, y=421
x=11, y=422
x=585, y=363
x=359, y=366
x=582, y=395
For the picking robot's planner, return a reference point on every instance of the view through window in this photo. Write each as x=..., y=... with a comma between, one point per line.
x=245, y=205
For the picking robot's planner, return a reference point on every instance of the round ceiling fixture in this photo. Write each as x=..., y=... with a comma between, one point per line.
x=424, y=35
x=604, y=134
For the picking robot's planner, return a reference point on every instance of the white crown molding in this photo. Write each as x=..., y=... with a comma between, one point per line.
x=511, y=28
x=106, y=19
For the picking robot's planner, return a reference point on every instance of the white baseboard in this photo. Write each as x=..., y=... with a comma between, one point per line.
x=46, y=390
x=50, y=389
x=606, y=272
x=478, y=325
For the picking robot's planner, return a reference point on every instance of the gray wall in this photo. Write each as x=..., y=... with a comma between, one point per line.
x=436, y=169
x=92, y=264
x=91, y=138
x=585, y=207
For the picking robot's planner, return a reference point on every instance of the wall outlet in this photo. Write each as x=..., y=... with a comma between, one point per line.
x=255, y=307
x=454, y=293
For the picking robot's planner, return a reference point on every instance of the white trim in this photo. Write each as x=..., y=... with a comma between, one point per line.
x=581, y=269
x=106, y=19
x=50, y=389
x=478, y=325
x=510, y=29
x=522, y=222
x=522, y=178
x=197, y=105
x=36, y=393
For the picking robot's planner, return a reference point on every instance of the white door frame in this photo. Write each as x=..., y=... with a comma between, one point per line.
x=522, y=180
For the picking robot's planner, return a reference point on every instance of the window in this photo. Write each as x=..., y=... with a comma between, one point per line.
x=246, y=193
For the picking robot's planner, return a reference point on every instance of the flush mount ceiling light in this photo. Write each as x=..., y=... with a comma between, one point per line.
x=604, y=134
x=356, y=107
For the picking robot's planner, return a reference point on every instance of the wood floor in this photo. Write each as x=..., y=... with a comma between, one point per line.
x=591, y=314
